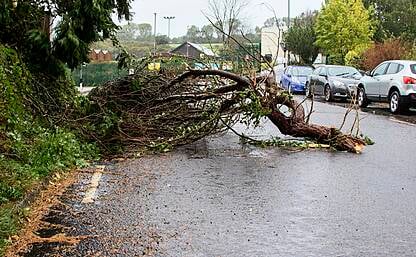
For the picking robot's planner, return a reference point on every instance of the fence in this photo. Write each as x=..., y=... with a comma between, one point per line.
x=94, y=74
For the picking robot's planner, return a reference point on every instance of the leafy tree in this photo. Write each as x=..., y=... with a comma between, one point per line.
x=396, y=18
x=162, y=40
x=391, y=49
x=128, y=32
x=145, y=30
x=270, y=22
x=300, y=38
x=81, y=23
x=343, y=26
x=273, y=21
x=193, y=33
x=208, y=33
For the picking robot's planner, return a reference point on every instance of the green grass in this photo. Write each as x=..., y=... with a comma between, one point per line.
x=49, y=152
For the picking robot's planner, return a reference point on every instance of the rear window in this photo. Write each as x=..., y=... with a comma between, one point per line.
x=413, y=68
x=342, y=71
x=302, y=71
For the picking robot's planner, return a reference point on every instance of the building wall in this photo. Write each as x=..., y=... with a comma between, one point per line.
x=270, y=43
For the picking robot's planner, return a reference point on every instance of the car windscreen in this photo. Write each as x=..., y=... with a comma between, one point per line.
x=342, y=71
x=302, y=71
x=413, y=68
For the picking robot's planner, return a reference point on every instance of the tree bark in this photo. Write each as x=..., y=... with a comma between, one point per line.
x=294, y=125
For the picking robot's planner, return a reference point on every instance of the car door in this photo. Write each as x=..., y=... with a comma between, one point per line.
x=313, y=79
x=321, y=80
x=386, y=81
x=377, y=78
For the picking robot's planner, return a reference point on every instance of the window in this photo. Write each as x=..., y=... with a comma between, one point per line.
x=322, y=72
x=302, y=71
x=393, y=68
x=316, y=72
x=342, y=71
x=413, y=68
x=380, y=70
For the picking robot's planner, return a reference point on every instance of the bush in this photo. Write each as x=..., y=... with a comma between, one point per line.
x=392, y=49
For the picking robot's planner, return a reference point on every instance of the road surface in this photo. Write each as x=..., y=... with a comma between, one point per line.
x=219, y=198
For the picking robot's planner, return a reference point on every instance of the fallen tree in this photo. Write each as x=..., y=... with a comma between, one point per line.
x=161, y=110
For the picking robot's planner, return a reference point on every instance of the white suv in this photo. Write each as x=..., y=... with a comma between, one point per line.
x=391, y=81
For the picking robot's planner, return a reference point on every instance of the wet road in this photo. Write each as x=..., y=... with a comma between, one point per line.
x=219, y=198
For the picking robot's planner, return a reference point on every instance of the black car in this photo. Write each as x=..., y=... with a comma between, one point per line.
x=333, y=81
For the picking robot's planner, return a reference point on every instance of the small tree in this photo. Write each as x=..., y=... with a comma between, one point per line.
x=392, y=49
x=193, y=34
x=162, y=40
x=145, y=30
x=343, y=26
x=300, y=38
x=208, y=33
x=226, y=14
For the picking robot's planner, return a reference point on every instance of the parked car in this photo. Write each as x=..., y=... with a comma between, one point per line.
x=294, y=78
x=391, y=81
x=333, y=81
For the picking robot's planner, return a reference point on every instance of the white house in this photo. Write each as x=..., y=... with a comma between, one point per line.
x=271, y=44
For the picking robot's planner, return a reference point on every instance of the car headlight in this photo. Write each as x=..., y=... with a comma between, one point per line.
x=338, y=83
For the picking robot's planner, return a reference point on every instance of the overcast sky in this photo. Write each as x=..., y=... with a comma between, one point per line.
x=189, y=12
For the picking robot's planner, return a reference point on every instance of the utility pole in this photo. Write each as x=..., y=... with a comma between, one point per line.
x=154, y=34
x=169, y=18
x=288, y=13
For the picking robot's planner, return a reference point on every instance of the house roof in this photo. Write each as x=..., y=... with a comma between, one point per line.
x=97, y=51
x=202, y=49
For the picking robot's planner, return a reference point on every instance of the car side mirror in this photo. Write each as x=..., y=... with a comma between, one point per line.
x=289, y=75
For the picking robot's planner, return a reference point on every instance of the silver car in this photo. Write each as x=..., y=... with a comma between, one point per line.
x=391, y=81
x=333, y=81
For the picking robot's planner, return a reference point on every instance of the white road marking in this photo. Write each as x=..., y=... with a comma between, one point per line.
x=95, y=181
x=402, y=122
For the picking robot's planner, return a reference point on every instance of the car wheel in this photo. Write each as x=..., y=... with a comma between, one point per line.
x=362, y=98
x=396, y=105
x=328, y=94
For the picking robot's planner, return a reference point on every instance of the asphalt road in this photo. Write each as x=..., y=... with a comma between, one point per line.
x=219, y=198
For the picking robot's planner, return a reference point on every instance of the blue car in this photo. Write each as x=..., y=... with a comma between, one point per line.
x=294, y=78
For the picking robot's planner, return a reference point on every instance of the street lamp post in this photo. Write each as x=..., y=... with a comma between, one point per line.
x=169, y=18
x=81, y=76
x=154, y=34
x=288, y=13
